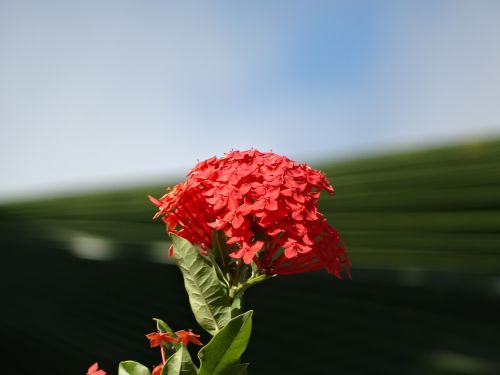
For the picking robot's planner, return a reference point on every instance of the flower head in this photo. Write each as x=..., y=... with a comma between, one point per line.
x=185, y=337
x=266, y=206
x=157, y=338
x=94, y=370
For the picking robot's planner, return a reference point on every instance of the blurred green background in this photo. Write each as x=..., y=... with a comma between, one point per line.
x=83, y=275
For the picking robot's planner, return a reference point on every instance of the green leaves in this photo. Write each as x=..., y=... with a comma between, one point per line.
x=237, y=305
x=162, y=326
x=240, y=369
x=132, y=368
x=207, y=296
x=179, y=364
x=223, y=352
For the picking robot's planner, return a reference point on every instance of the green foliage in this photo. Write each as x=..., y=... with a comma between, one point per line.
x=237, y=304
x=161, y=326
x=132, y=368
x=179, y=364
x=224, y=351
x=207, y=296
x=241, y=369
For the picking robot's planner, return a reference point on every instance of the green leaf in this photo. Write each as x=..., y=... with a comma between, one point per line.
x=218, y=250
x=220, y=274
x=226, y=347
x=208, y=299
x=162, y=326
x=132, y=368
x=179, y=364
x=240, y=369
x=237, y=305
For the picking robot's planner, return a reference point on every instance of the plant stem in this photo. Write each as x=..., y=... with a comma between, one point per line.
x=163, y=356
x=241, y=287
x=237, y=272
x=221, y=253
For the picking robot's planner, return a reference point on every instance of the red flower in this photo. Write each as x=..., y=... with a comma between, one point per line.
x=94, y=370
x=265, y=204
x=157, y=370
x=157, y=338
x=185, y=337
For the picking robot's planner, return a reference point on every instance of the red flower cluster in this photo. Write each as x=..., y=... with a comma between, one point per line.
x=182, y=337
x=266, y=205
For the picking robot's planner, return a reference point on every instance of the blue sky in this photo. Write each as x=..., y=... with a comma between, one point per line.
x=104, y=93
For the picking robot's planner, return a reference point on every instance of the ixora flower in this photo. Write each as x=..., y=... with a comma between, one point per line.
x=266, y=207
x=185, y=337
x=94, y=370
x=157, y=338
x=182, y=337
x=236, y=221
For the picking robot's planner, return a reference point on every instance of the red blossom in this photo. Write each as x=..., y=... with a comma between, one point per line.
x=185, y=337
x=157, y=370
x=265, y=204
x=157, y=338
x=94, y=370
